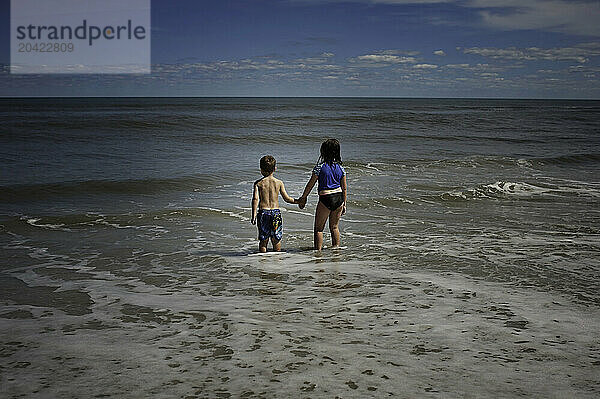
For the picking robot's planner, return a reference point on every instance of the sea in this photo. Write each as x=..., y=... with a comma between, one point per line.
x=469, y=265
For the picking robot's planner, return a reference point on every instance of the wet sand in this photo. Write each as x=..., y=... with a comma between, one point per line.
x=289, y=325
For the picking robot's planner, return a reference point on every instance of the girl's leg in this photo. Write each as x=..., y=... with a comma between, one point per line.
x=321, y=215
x=334, y=220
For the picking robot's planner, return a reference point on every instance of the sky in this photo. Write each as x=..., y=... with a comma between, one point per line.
x=374, y=48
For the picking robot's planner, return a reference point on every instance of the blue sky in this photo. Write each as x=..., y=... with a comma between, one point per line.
x=399, y=48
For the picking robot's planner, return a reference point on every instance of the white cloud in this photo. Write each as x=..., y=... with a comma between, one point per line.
x=320, y=59
x=584, y=69
x=579, y=54
x=579, y=17
x=399, y=52
x=480, y=68
x=439, y=52
x=574, y=17
x=548, y=71
x=382, y=59
x=425, y=66
x=385, y=69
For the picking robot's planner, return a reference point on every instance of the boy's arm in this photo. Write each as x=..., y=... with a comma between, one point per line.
x=254, y=203
x=344, y=189
x=285, y=195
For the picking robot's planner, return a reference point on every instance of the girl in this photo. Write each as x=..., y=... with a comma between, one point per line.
x=332, y=192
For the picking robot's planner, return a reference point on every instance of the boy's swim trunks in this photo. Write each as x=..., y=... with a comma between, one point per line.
x=270, y=224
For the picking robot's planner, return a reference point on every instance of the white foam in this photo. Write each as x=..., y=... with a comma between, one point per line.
x=370, y=166
x=349, y=234
x=527, y=189
x=336, y=248
x=228, y=213
x=269, y=253
x=406, y=201
x=298, y=212
x=523, y=163
x=34, y=222
x=517, y=188
x=115, y=225
x=379, y=204
x=354, y=221
x=457, y=194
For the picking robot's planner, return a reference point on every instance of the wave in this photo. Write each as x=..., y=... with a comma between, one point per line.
x=34, y=192
x=381, y=202
x=571, y=159
x=476, y=161
x=138, y=220
x=398, y=124
x=191, y=132
x=499, y=190
x=519, y=190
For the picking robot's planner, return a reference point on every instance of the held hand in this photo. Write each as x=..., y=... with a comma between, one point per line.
x=301, y=202
x=343, y=209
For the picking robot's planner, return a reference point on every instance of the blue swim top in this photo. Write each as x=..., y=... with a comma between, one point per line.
x=330, y=175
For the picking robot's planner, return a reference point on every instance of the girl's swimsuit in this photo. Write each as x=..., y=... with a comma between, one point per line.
x=332, y=201
x=269, y=223
x=330, y=177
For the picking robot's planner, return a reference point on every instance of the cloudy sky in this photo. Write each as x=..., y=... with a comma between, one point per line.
x=399, y=48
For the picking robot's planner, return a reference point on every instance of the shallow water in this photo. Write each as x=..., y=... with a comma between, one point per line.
x=470, y=265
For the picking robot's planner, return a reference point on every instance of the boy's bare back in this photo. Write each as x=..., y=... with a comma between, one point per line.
x=267, y=190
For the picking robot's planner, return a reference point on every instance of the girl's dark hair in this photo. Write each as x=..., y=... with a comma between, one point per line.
x=330, y=151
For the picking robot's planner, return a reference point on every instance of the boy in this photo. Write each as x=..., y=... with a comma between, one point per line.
x=266, y=198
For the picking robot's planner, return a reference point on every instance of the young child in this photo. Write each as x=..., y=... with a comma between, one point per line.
x=265, y=198
x=332, y=192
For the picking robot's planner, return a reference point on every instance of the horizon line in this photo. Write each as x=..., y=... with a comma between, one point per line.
x=364, y=97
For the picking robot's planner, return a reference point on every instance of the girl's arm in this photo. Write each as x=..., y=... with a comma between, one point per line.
x=344, y=189
x=308, y=188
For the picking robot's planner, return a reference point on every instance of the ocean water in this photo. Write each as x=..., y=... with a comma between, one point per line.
x=470, y=265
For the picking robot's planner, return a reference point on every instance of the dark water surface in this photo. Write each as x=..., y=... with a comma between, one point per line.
x=470, y=267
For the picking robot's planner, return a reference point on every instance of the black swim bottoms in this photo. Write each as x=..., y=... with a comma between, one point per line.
x=332, y=201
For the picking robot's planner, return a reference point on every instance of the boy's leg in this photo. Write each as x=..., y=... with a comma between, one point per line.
x=277, y=233
x=334, y=220
x=262, y=245
x=276, y=244
x=321, y=215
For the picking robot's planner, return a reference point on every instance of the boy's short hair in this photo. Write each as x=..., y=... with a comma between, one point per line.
x=267, y=164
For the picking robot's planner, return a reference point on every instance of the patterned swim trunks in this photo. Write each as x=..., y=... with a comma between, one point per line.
x=270, y=224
